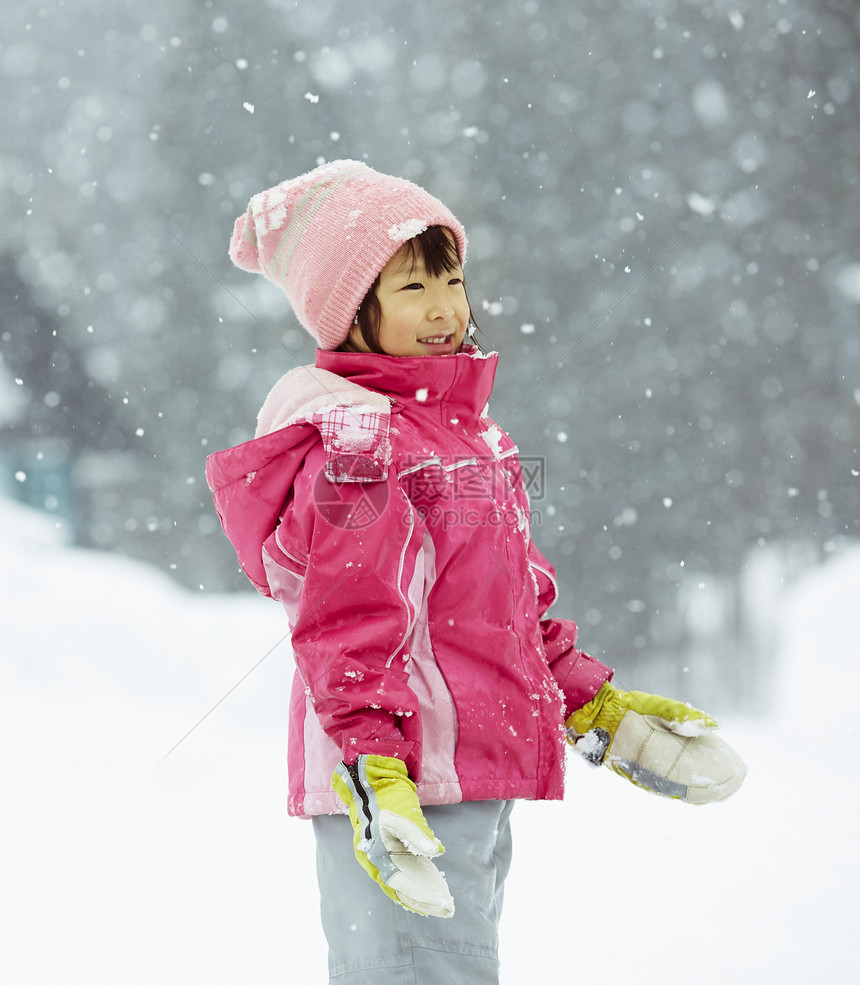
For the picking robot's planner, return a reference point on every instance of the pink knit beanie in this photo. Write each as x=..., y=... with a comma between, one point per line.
x=324, y=237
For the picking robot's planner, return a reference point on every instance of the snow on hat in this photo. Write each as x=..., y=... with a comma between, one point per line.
x=324, y=237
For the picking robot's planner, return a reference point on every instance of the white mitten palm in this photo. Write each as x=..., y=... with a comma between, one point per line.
x=664, y=746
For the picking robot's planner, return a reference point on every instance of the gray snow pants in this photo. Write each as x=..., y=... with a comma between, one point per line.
x=374, y=941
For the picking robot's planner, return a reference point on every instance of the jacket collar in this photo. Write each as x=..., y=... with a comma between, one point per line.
x=462, y=381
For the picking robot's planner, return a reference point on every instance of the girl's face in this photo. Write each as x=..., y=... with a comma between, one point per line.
x=421, y=315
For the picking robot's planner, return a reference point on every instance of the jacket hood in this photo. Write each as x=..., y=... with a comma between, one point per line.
x=250, y=484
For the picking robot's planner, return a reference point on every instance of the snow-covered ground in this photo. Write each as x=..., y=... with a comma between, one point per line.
x=117, y=867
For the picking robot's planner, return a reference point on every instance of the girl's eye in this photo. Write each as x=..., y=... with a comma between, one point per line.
x=455, y=280
x=413, y=287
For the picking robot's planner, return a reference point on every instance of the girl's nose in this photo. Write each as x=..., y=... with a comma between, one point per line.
x=440, y=306
x=442, y=310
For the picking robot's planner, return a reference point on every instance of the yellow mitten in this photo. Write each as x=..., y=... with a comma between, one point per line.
x=392, y=840
x=660, y=745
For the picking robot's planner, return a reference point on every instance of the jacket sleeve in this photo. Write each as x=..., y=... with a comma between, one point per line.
x=579, y=675
x=346, y=561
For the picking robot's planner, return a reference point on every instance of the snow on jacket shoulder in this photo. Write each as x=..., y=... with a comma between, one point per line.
x=387, y=514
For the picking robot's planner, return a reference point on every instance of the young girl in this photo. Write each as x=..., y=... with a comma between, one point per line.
x=387, y=513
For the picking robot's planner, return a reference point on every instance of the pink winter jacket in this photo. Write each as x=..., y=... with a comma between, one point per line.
x=388, y=515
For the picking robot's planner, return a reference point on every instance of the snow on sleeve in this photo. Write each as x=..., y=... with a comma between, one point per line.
x=493, y=437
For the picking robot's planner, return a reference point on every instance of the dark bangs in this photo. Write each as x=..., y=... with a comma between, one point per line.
x=437, y=248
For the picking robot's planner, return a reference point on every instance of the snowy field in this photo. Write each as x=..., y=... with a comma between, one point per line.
x=118, y=868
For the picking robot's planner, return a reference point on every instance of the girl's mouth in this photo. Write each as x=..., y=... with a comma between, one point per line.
x=438, y=342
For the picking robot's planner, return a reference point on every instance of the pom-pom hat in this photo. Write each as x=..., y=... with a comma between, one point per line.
x=324, y=237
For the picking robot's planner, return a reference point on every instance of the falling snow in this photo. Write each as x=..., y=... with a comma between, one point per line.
x=660, y=289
